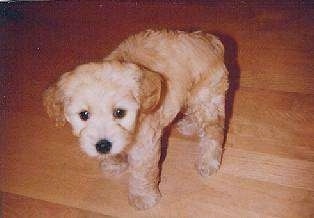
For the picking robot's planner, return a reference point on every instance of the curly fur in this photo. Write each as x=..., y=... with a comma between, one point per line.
x=153, y=75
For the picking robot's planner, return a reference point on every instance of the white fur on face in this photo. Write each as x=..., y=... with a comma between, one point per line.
x=98, y=90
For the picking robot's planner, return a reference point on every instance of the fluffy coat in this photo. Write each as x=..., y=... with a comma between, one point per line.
x=154, y=75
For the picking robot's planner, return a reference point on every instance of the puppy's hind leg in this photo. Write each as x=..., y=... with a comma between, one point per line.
x=210, y=145
x=208, y=112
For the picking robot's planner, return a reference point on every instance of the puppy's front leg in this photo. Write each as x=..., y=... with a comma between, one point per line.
x=144, y=171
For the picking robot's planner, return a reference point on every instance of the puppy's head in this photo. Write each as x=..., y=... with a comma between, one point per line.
x=102, y=102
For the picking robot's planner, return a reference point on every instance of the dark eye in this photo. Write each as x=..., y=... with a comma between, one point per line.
x=84, y=115
x=119, y=113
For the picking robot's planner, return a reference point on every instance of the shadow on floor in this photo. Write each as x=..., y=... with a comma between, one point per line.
x=231, y=62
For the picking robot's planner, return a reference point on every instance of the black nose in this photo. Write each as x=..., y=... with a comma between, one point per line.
x=103, y=146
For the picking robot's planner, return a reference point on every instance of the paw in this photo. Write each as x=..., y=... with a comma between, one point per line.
x=143, y=202
x=207, y=166
x=114, y=166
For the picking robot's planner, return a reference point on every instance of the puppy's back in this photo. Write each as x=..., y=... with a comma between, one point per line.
x=175, y=54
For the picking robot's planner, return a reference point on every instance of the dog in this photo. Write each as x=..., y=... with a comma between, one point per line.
x=119, y=107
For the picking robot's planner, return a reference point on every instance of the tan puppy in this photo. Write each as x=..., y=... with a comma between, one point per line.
x=119, y=107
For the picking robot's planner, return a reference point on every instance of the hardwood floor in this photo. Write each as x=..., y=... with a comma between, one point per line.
x=268, y=164
x=20, y=206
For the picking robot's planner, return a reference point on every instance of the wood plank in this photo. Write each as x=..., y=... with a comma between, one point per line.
x=273, y=45
x=277, y=202
x=60, y=163
x=273, y=115
x=282, y=70
x=265, y=195
x=277, y=123
x=20, y=206
x=256, y=176
x=61, y=166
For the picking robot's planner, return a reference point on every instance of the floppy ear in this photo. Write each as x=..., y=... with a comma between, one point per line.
x=53, y=100
x=150, y=90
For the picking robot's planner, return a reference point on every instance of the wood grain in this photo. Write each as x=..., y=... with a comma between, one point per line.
x=268, y=163
x=20, y=206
